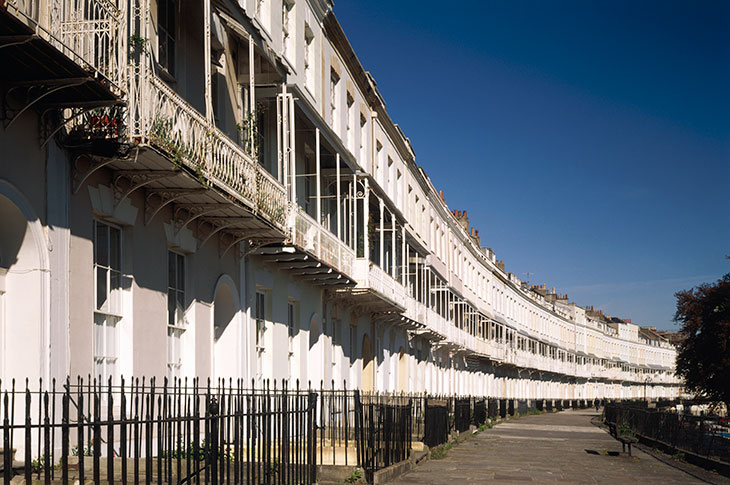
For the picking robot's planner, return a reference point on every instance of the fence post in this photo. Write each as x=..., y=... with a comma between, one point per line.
x=358, y=418
x=212, y=454
x=64, y=435
x=7, y=458
x=28, y=427
x=312, y=432
x=371, y=441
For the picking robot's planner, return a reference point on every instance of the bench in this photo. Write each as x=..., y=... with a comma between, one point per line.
x=624, y=439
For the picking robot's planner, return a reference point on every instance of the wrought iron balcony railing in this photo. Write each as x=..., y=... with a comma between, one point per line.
x=91, y=32
x=325, y=246
x=159, y=117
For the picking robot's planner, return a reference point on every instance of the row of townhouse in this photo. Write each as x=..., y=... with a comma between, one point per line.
x=215, y=189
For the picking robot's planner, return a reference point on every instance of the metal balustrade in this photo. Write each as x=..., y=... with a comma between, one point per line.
x=707, y=436
x=325, y=246
x=91, y=32
x=182, y=432
x=160, y=117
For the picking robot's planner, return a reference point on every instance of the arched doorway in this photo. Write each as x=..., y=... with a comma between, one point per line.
x=368, y=365
x=402, y=371
x=315, y=357
x=226, y=331
x=23, y=290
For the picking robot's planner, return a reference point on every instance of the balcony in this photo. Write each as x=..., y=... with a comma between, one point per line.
x=163, y=121
x=378, y=289
x=314, y=254
x=63, y=54
x=163, y=145
x=311, y=237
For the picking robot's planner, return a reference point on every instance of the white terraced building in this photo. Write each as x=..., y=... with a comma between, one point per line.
x=215, y=189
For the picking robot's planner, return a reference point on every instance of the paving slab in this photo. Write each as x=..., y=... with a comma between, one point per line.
x=564, y=447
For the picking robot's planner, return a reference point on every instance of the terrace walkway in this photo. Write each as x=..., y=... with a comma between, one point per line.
x=563, y=447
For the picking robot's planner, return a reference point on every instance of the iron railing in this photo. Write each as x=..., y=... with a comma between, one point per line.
x=189, y=432
x=182, y=432
x=383, y=433
x=479, y=413
x=462, y=414
x=707, y=436
x=160, y=117
x=93, y=33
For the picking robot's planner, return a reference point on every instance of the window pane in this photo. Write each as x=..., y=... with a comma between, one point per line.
x=115, y=248
x=170, y=346
x=101, y=244
x=99, y=335
x=171, y=307
x=171, y=56
x=111, y=370
x=171, y=10
x=180, y=308
x=115, y=292
x=111, y=337
x=181, y=272
x=101, y=288
x=99, y=367
x=171, y=277
x=259, y=305
x=162, y=13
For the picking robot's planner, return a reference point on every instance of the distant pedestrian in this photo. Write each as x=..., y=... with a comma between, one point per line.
x=597, y=404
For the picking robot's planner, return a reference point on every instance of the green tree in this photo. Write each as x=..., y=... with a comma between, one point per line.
x=703, y=359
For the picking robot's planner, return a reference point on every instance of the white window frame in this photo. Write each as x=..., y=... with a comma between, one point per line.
x=260, y=331
x=292, y=325
x=176, y=329
x=108, y=316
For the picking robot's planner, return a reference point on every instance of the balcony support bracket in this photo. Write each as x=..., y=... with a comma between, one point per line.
x=194, y=211
x=34, y=92
x=157, y=199
x=84, y=166
x=127, y=181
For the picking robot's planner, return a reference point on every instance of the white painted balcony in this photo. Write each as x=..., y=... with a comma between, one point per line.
x=371, y=277
x=312, y=238
x=159, y=117
x=93, y=33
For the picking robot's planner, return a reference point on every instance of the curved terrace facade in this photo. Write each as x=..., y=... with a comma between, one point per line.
x=238, y=203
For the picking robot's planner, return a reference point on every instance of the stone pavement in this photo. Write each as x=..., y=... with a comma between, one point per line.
x=560, y=447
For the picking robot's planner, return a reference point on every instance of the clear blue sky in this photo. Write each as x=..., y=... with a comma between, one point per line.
x=588, y=141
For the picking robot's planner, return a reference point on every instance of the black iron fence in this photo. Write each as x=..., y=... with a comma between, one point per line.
x=187, y=432
x=703, y=435
x=182, y=432
x=338, y=428
x=462, y=414
x=192, y=432
x=383, y=433
x=479, y=413
x=436, y=426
